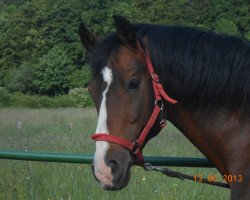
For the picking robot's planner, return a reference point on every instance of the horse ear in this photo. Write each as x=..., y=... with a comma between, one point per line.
x=125, y=31
x=88, y=39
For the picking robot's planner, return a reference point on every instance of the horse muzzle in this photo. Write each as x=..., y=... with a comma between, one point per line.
x=112, y=170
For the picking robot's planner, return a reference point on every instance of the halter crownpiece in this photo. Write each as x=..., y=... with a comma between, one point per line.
x=135, y=147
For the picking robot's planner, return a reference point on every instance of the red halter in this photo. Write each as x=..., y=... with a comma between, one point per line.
x=135, y=147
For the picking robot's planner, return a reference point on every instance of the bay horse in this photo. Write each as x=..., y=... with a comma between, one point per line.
x=205, y=78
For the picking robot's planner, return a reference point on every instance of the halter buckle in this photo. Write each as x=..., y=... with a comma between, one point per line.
x=136, y=152
x=136, y=147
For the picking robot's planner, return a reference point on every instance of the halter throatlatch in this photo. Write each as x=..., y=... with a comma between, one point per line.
x=135, y=147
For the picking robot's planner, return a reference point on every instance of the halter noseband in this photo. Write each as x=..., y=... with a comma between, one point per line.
x=135, y=147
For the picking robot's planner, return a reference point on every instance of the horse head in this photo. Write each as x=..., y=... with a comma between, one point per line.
x=121, y=88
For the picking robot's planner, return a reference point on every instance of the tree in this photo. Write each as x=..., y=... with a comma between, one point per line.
x=19, y=80
x=50, y=75
x=33, y=32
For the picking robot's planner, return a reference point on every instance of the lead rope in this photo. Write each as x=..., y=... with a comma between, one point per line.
x=173, y=174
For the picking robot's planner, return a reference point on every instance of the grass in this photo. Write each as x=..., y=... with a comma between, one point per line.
x=68, y=130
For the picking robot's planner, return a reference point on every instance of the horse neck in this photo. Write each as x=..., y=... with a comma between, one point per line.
x=213, y=134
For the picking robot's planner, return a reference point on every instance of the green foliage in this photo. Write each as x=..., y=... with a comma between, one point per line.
x=78, y=97
x=79, y=78
x=81, y=97
x=19, y=80
x=40, y=50
x=247, y=35
x=21, y=100
x=35, y=28
x=51, y=73
x=226, y=26
x=4, y=97
x=62, y=101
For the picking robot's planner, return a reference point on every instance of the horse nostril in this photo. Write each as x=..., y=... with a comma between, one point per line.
x=112, y=165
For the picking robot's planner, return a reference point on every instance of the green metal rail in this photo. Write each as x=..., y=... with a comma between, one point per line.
x=87, y=159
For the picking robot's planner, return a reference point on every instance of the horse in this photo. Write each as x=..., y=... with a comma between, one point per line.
x=143, y=74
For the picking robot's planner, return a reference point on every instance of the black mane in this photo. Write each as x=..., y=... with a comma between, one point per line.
x=197, y=67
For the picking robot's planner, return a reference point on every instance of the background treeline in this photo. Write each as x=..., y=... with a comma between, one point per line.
x=42, y=63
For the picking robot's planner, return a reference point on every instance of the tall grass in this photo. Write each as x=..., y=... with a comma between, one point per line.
x=68, y=130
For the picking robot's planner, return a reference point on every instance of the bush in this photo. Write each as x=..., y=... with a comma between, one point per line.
x=81, y=97
x=21, y=100
x=79, y=78
x=78, y=97
x=226, y=26
x=247, y=35
x=63, y=101
x=4, y=97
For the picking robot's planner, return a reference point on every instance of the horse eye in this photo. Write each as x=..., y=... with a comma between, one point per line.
x=133, y=84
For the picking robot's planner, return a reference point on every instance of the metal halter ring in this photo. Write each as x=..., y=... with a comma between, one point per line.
x=159, y=103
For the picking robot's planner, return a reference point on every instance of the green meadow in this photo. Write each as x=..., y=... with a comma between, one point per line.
x=67, y=130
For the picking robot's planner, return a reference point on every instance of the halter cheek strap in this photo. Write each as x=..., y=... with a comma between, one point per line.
x=135, y=147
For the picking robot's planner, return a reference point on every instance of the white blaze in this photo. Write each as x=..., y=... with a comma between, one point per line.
x=102, y=171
